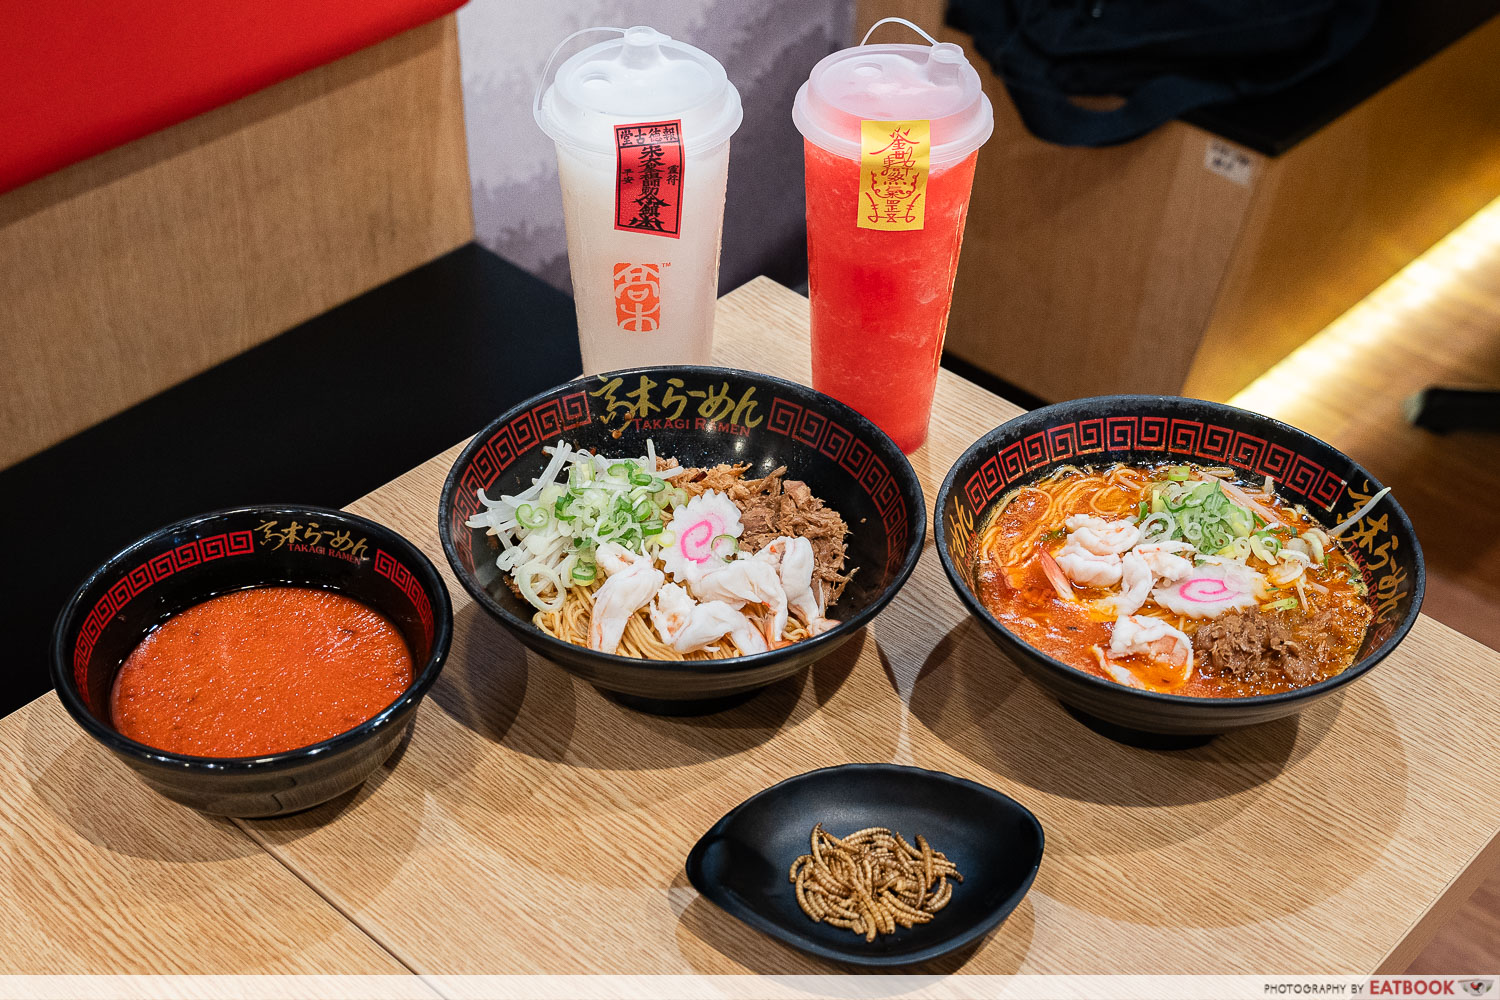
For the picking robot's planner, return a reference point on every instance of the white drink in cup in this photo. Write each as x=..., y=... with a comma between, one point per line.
x=642, y=125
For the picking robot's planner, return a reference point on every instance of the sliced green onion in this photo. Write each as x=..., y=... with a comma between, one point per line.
x=666, y=539
x=651, y=527
x=584, y=572
x=622, y=470
x=528, y=516
x=656, y=485
x=1158, y=527
x=1178, y=473
x=641, y=478
x=1285, y=604
x=724, y=546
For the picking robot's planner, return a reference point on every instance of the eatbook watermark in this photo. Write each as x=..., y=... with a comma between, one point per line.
x=689, y=987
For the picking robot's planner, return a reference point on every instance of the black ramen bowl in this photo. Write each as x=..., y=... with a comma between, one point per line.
x=1150, y=429
x=701, y=416
x=995, y=842
x=188, y=562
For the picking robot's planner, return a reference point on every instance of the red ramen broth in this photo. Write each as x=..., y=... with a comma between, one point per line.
x=258, y=672
x=1329, y=621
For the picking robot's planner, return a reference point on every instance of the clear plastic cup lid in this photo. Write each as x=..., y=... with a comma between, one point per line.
x=895, y=82
x=639, y=75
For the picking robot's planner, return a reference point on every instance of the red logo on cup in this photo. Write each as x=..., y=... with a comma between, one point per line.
x=638, y=297
x=648, y=178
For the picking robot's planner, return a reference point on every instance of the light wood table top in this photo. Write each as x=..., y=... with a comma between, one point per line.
x=100, y=874
x=532, y=825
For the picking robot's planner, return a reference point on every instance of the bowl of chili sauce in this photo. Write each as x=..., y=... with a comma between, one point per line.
x=256, y=661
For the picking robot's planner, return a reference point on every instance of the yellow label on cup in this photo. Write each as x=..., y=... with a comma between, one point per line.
x=893, y=174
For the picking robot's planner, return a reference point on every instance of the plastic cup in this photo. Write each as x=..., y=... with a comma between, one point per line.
x=642, y=126
x=890, y=139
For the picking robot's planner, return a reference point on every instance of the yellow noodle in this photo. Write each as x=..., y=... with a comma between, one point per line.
x=1109, y=494
x=571, y=624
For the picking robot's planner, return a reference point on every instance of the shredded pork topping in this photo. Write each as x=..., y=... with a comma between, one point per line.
x=774, y=506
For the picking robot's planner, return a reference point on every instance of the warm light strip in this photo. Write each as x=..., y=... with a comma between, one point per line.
x=1379, y=319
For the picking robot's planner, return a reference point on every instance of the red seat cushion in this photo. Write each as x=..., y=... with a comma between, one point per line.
x=78, y=77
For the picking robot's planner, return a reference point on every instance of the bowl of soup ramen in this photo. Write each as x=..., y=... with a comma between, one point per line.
x=257, y=661
x=1172, y=568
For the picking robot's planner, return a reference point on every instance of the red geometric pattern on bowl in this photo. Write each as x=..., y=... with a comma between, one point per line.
x=540, y=424
x=1173, y=436
x=398, y=574
x=833, y=440
x=142, y=578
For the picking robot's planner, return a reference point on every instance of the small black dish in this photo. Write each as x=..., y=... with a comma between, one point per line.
x=742, y=863
x=1153, y=429
x=700, y=416
x=188, y=562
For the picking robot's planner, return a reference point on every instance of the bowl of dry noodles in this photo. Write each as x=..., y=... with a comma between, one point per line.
x=1171, y=568
x=682, y=536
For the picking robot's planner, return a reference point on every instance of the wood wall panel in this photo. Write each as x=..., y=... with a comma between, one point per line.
x=1348, y=207
x=129, y=272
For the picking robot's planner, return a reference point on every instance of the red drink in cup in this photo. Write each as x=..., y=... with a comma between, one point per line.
x=891, y=133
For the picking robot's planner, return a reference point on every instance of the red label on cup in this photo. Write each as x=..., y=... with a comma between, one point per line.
x=648, y=178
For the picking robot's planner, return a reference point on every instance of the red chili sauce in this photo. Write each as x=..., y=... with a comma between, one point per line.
x=260, y=671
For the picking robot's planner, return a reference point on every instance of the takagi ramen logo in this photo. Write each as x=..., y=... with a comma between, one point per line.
x=1477, y=987
x=638, y=297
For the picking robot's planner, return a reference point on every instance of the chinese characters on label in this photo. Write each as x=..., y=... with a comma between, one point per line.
x=301, y=537
x=961, y=529
x=714, y=406
x=1374, y=546
x=893, y=174
x=648, y=178
x=637, y=297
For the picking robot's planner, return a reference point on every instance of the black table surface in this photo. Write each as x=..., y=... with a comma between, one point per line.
x=321, y=414
x=1406, y=33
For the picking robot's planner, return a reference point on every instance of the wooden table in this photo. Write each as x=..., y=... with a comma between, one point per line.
x=531, y=825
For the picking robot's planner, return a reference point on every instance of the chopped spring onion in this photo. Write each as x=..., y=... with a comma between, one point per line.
x=1178, y=473
x=1158, y=527
x=725, y=546
x=1237, y=549
x=1198, y=512
x=548, y=533
x=1285, y=604
x=1265, y=546
x=529, y=516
